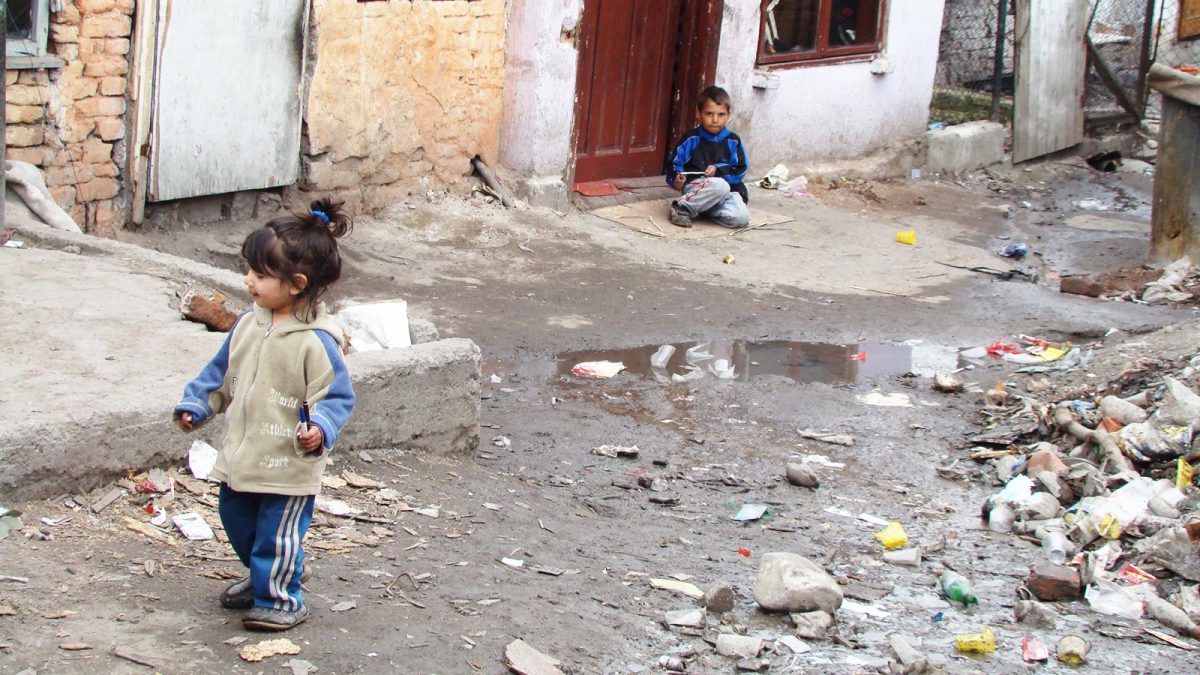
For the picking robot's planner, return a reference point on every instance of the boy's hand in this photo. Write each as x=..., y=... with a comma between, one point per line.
x=679, y=182
x=185, y=421
x=710, y=171
x=311, y=440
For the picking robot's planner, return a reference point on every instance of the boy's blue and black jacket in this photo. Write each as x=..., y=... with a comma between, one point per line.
x=260, y=377
x=699, y=150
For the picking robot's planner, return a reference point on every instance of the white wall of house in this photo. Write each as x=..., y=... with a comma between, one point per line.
x=539, y=90
x=816, y=112
x=831, y=111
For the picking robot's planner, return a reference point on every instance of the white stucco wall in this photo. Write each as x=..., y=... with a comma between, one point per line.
x=836, y=111
x=539, y=88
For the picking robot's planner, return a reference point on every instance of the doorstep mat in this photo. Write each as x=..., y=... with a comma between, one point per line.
x=653, y=218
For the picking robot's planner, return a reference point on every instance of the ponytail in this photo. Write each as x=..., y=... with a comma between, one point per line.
x=327, y=212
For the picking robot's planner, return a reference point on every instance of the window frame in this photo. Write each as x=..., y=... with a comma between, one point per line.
x=823, y=54
x=36, y=46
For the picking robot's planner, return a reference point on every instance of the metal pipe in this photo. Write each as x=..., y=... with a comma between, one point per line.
x=489, y=179
x=998, y=64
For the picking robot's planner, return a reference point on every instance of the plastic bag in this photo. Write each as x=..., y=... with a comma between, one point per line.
x=1106, y=597
x=378, y=325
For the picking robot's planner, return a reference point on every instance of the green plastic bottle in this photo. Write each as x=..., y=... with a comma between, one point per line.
x=957, y=588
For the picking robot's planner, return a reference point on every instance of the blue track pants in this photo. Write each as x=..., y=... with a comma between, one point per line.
x=266, y=532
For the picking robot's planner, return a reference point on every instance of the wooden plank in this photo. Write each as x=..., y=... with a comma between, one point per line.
x=227, y=96
x=141, y=84
x=1051, y=65
x=1189, y=19
x=1175, y=218
x=1110, y=80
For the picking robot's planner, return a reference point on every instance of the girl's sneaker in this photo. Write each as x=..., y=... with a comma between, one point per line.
x=240, y=594
x=261, y=618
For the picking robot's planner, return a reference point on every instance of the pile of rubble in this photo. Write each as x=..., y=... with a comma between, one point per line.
x=1102, y=478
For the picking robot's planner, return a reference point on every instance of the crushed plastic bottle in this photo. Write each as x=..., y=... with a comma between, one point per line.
x=957, y=588
x=983, y=642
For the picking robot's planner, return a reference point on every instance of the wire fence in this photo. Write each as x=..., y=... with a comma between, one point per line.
x=966, y=79
x=1176, y=37
x=974, y=77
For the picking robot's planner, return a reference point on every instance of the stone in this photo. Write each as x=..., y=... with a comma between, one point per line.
x=1080, y=285
x=525, y=660
x=788, y=582
x=98, y=106
x=116, y=46
x=1035, y=614
x=113, y=85
x=68, y=175
x=24, y=114
x=106, y=66
x=19, y=94
x=106, y=25
x=1045, y=460
x=910, y=660
x=740, y=646
x=949, y=383
x=719, y=599
x=803, y=476
x=1050, y=582
x=64, y=196
x=910, y=557
x=97, y=189
x=80, y=88
x=110, y=129
x=10, y=77
x=691, y=618
x=37, y=156
x=37, y=78
x=64, y=33
x=812, y=625
x=24, y=135
x=95, y=6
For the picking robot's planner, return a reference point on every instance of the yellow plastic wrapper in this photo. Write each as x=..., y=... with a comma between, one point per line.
x=1184, y=473
x=892, y=536
x=983, y=642
x=1110, y=527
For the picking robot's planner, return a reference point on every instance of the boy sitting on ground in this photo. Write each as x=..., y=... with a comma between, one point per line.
x=709, y=166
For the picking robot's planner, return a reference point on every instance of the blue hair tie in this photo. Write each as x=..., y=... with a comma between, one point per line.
x=321, y=214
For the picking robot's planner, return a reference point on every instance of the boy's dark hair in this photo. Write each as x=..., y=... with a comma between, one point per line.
x=301, y=244
x=716, y=95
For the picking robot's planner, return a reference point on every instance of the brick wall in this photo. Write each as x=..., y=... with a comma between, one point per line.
x=403, y=94
x=70, y=121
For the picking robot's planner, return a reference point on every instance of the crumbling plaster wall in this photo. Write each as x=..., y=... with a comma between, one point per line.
x=403, y=94
x=539, y=93
x=70, y=120
x=830, y=111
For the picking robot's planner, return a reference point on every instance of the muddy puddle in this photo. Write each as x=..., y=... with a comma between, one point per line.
x=744, y=360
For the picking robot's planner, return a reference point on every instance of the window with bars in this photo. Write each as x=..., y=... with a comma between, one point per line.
x=28, y=24
x=797, y=31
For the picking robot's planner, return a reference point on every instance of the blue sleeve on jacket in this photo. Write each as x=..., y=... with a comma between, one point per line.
x=331, y=412
x=198, y=393
x=682, y=155
x=738, y=164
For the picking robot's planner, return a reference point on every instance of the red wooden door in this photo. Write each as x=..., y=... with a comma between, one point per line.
x=627, y=53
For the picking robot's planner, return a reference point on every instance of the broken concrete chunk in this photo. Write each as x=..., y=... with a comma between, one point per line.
x=812, y=625
x=1050, y=582
x=740, y=646
x=803, y=475
x=525, y=660
x=268, y=648
x=788, y=582
x=692, y=618
x=719, y=599
x=949, y=383
x=1036, y=614
x=683, y=587
x=910, y=660
x=906, y=556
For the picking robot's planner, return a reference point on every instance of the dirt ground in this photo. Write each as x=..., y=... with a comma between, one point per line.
x=396, y=590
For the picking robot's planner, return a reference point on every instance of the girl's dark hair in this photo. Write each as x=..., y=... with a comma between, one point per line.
x=301, y=244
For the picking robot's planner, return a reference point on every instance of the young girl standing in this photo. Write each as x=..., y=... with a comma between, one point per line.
x=281, y=379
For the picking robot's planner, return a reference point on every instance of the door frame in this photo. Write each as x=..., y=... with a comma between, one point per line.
x=698, y=39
